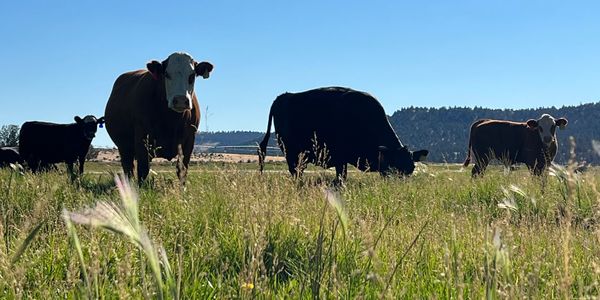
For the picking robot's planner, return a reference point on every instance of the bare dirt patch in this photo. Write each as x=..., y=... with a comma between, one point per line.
x=112, y=155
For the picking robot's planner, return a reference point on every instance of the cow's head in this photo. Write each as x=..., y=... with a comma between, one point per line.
x=546, y=127
x=179, y=72
x=88, y=126
x=401, y=159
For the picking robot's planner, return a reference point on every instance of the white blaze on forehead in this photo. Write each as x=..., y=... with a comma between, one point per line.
x=180, y=66
x=545, y=122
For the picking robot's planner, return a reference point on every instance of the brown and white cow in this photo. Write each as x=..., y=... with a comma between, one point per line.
x=155, y=113
x=532, y=143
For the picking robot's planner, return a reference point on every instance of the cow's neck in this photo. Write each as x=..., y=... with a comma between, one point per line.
x=166, y=123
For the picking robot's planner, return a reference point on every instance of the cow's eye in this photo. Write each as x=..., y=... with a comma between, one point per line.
x=167, y=75
x=541, y=129
x=192, y=78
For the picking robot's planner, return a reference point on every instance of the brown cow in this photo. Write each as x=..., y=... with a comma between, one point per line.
x=155, y=113
x=532, y=143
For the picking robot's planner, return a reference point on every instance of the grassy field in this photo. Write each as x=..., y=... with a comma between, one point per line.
x=233, y=233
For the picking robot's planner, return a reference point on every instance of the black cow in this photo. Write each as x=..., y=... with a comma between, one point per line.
x=336, y=126
x=9, y=155
x=42, y=144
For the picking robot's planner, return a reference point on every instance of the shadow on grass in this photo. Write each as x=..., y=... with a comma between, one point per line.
x=97, y=185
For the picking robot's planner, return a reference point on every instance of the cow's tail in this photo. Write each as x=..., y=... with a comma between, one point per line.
x=470, y=147
x=262, y=147
x=468, y=159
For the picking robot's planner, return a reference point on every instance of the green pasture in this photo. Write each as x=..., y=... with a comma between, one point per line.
x=234, y=233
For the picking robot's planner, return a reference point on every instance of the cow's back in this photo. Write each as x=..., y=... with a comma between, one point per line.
x=498, y=135
x=49, y=142
x=129, y=91
x=350, y=123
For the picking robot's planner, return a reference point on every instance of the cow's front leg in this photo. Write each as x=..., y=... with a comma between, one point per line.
x=81, y=163
x=184, y=157
x=70, y=171
x=143, y=162
x=341, y=171
x=34, y=165
x=538, y=169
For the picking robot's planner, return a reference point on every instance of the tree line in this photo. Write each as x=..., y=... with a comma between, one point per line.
x=443, y=131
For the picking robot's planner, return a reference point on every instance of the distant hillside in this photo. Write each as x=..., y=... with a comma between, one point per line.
x=229, y=138
x=444, y=131
x=242, y=142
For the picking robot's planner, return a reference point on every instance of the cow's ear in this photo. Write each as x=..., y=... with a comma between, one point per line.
x=78, y=120
x=561, y=123
x=101, y=122
x=531, y=123
x=420, y=155
x=203, y=69
x=155, y=68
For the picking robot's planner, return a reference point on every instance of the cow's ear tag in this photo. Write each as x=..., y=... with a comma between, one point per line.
x=101, y=125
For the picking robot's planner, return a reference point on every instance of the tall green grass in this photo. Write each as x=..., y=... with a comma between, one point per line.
x=233, y=233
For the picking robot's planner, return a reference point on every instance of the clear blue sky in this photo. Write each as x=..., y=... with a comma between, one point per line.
x=60, y=58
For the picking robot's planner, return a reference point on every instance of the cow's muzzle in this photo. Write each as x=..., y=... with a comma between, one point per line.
x=180, y=103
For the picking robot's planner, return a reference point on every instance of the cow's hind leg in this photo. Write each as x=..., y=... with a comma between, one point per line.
x=481, y=163
x=127, y=156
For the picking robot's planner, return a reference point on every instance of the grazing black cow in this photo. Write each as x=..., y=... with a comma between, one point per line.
x=9, y=155
x=336, y=126
x=532, y=143
x=42, y=144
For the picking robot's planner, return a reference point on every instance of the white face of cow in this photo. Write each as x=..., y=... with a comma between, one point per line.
x=546, y=127
x=179, y=73
x=179, y=81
